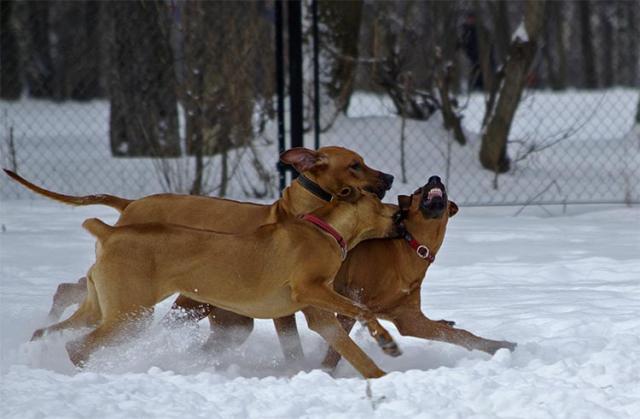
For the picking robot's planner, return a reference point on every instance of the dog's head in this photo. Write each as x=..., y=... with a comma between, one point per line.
x=429, y=202
x=336, y=168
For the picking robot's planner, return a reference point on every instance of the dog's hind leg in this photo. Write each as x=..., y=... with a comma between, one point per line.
x=326, y=325
x=228, y=330
x=88, y=314
x=112, y=331
x=185, y=310
x=289, y=338
x=66, y=295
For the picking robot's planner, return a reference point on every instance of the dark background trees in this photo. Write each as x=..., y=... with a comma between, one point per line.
x=214, y=60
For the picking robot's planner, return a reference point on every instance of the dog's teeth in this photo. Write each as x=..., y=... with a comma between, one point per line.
x=435, y=192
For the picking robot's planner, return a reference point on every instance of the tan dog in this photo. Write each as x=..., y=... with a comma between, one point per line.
x=386, y=275
x=326, y=172
x=275, y=271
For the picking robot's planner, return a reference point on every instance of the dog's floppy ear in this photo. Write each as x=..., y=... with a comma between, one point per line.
x=453, y=209
x=303, y=159
x=349, y=194
x=404, y=202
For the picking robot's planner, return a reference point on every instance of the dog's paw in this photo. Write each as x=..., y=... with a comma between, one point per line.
x=389, y=347
x=38, y=334
x=509, y=345
x=77, y=355
x=503, y=344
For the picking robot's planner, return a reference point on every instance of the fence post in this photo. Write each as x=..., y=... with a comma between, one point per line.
x=282, y=174
x=316, y=76
x=295, y=73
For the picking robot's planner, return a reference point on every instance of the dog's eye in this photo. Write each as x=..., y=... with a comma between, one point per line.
x=355, y=166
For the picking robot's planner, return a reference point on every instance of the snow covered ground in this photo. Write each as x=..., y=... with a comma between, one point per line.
x=565, y=286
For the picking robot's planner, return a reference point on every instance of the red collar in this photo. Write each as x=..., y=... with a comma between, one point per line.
x=422, y=251
x=323, y=225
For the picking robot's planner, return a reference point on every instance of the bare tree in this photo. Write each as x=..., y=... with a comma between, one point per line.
x=340, y=36
x=500, y=13
x=143, y=119
x=10, y=83
x=493, y=150
x=39, y=65
x=586, y=44
x=223, y=56
x=554, y=48
x=394, y=50
x=76, y=52
x=605, y=13
x=628, y=41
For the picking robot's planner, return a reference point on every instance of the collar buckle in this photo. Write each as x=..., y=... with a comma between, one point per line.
x=422, y=251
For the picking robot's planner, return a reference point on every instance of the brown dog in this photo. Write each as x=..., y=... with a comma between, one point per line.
x=275, y=271
x=325, y=171
x=386, y=275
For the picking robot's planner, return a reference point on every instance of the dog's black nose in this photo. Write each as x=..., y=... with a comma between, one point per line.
x=434, y=179
x=387, y=179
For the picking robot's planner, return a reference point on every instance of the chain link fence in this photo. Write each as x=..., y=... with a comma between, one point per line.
x=141, y=97
x=138, y=97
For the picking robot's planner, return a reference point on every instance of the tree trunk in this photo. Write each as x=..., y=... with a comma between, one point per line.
x=586, y=43
x=554, y=50
x=39, y=67
x=500, y=11
x=493, y=150
x=340, y=34
x=608, y=46
x=192, y=91
x=560, y=82
x=632, y=57
x=143, y=119
x=222, y=70
x=76, y=25
x=10, y=82
x=452, y=121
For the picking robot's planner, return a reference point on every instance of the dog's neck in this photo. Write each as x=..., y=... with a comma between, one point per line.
x=297, y=200
x=428, y=232
x=341, y=216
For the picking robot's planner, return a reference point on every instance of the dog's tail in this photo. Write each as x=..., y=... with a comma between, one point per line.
x=109, y=200
x=98, y=228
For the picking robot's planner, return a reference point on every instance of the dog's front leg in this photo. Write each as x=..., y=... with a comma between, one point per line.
x=319, y=294
x=412, y=322
x=327, y=326
x=332, y=356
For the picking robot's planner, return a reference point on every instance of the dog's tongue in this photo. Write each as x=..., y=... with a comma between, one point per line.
x=433, y=193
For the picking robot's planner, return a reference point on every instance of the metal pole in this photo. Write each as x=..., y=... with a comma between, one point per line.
x=282, y=179
x=295, y=73
x=316, y=76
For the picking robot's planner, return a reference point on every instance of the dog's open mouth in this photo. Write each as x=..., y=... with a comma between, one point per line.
x=435, y=193
x=434, y=198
